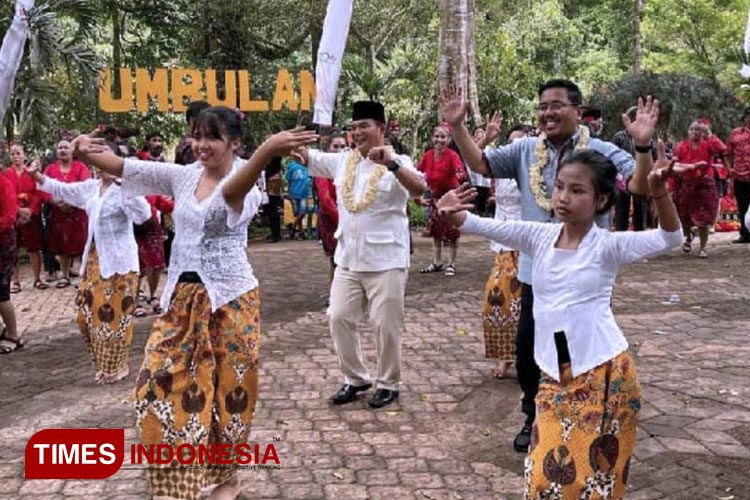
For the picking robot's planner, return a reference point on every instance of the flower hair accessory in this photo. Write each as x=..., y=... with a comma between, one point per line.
x=239, y=114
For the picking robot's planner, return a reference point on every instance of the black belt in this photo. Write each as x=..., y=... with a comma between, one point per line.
x=563, y=355
x=189, y=277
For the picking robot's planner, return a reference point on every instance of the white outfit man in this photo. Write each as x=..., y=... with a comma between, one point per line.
x=372, y=255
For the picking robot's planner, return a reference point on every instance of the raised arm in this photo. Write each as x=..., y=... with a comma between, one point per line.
x=96, y=152
x=633, y=246
x=75, y=193
x=243, y=180
x=454, y=207
x=405, y=172
x=453, y=110
x=641, y=130
x=492, y=132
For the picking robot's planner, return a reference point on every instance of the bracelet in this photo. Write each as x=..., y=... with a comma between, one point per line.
x=642, y=149
x=660, y=196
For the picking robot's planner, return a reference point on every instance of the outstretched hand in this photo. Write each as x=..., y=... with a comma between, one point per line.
x=289, y=141
x=453, y=105
x=86, y=144
x=642, y=128
x=33, y=168
x=494, y=125
x=656, y=178
x=453, y=205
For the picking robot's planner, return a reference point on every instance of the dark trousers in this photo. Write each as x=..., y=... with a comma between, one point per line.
x=480, y=202
x=622, y=211
x=742, y=193
x=273, y=212
x=526, y=367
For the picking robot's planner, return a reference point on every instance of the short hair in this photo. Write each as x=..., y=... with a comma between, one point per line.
x=194, y=109
x=574, y=92
x=603, y=171
x=153, y=134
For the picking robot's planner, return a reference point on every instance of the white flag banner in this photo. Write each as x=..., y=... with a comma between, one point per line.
x=330, y=54
x=11, y=52
x=745, y=71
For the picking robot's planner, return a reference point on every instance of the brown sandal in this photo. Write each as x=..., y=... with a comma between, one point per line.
x=63, y=283
x=11, y=345
x=15, y=287
x=40, y=285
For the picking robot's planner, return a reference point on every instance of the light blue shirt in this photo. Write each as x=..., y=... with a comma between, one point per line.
x=515, y=160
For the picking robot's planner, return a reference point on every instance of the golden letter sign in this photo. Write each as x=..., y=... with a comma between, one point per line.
x=171, y=89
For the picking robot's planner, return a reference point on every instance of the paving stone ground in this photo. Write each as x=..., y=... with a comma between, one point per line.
x=450, y=436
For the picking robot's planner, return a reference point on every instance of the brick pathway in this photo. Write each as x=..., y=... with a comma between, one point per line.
x=450, y=436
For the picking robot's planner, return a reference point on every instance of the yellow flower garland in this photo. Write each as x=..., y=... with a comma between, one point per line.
x=348, y=188
x=536, y=177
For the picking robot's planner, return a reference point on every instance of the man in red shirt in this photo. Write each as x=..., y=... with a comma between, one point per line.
x=739, y=153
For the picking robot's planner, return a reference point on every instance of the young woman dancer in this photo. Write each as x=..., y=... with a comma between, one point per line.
x=199, y=380
x=589, y=397
x=108, y=290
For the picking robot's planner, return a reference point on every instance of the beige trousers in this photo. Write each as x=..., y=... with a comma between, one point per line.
x=381, y=295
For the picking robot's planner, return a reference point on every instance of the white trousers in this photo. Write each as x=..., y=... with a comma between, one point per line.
x=381, y=295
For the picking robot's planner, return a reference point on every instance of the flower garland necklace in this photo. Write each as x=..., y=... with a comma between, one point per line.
x=536, y=177
x=348, y=188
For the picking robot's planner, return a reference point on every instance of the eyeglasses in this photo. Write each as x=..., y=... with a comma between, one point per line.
x=553, y=106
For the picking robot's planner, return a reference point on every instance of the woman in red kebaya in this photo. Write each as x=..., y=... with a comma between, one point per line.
x=29, y=200
x=68, y=225
x=150, y=239
x=697, y=198
x=443, y=170
x=9, y=339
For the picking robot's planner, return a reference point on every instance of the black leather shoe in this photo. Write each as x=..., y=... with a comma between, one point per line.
x=382, y=397
x=348, y=393
x=523, y=439
x=741, y=240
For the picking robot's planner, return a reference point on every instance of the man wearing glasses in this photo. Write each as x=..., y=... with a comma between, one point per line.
x=558, y=116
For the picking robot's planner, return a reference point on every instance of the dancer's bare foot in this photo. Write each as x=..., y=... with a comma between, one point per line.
x=114, y=377
x=98, y=376
x=502, y=370
x=227, y=490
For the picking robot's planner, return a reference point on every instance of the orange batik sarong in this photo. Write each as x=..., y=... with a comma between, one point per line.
x=584, y=433
x=104, y=313
x=502, y=308
x=198, y=383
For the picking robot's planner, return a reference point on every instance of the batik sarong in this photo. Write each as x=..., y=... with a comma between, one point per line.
x=104, y=313
x=584, y=433
x=501, y=308
x=198, y=383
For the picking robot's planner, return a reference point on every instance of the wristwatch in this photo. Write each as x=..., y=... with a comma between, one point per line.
x=396, y=165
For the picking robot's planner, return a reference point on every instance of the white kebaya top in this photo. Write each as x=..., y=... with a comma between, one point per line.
x=507, y=206
x=210, y=237
x=111, y=219
x=573, y=288
x=376, y=238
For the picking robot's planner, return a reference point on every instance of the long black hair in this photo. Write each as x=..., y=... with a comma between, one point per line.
x=603, y=174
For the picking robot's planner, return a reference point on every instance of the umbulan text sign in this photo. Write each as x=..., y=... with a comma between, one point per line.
x=171, y=89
